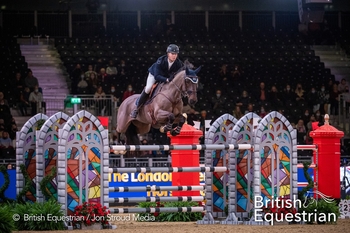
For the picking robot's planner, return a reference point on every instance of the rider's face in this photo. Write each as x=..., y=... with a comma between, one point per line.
x=172, y=57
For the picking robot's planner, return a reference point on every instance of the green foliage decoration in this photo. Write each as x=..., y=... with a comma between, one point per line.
x=6, y=222
x=45, y=181
x=39, y=216
x=173, y=217
x=27, y=186
x=302, y=193
x=6, y=184
x=318, y=208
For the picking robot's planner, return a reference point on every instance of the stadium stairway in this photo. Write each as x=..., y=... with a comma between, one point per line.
x=46, y=65
x=335, y=59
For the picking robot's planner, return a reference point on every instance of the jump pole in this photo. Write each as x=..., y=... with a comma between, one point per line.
x=182, y=147
x=158, y=210
x=166, y=169
x=153, y=199
x=156, y=188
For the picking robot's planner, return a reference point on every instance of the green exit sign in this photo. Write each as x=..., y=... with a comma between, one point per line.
x=75, y=100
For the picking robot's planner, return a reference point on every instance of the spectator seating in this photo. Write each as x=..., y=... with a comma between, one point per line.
x=11, y=61
x=276, y=58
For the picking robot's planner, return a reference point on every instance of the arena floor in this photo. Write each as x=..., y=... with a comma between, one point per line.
x=342, y=226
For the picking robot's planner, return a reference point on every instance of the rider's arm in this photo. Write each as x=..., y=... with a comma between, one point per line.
x=160, y=78
x=157, y=71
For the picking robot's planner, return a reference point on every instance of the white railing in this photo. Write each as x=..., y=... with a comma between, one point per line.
x=98, y=107
x=344, y=112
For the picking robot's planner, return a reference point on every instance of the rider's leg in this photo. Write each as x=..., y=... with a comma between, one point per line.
x=150, y=81
x=144, y=95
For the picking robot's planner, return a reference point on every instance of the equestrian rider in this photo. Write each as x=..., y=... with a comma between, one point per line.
x=161, y=71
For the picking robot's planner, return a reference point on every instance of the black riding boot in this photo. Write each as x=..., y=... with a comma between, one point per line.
x=142, y=100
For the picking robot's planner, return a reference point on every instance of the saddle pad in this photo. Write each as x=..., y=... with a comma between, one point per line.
x=154, y=90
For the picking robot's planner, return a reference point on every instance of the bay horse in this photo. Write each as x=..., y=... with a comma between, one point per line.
x=162, y=110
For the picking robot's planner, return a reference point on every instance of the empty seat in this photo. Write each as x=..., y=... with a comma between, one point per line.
x=80, y=60
x=112, y=53
x=73, y=47
x=84, y=47
x=77, y=53
x=68, y=60
x=108, y=47
x=155, y=47
x=195, y=53
x=65, y=53
x=62, y=47
x=89, y=53
x=158, y=53
x=91, y=60
x=96, y=47
x=101, y=53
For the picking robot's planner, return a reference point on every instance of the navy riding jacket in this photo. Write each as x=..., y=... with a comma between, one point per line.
x=160, y=69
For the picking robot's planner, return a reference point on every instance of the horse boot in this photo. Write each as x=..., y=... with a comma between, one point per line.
x=144, y=96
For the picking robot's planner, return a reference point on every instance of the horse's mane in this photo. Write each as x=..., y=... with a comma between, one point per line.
x=187, y=64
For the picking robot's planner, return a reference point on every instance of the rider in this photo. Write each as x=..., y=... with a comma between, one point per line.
x=161, y=71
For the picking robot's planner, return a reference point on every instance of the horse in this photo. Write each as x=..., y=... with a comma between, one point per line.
x=164, y=108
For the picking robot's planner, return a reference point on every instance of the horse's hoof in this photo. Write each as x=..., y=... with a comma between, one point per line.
x=174, y=133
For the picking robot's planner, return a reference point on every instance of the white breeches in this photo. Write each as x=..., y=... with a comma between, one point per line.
x=149, y=83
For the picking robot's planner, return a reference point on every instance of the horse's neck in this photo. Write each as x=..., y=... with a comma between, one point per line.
x=174, y=88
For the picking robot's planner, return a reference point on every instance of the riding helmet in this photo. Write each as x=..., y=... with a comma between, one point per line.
x=172, y=48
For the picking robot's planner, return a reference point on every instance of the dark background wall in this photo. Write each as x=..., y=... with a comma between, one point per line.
x=166, y=5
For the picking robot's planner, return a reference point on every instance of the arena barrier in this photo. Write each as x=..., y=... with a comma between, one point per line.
x=172, y=188
x=167, y=188
x=80, y=144
x=247, y=148
x=65, y=143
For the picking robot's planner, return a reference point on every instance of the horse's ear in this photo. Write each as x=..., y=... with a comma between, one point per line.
x=187, y=71
x=198, y=69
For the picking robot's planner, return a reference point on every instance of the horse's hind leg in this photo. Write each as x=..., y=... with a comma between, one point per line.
x=132, y=139
x=178, y=128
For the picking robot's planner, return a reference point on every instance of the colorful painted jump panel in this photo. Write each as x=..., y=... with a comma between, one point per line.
x=243, y=134
x=275, y=153
x=50, y=153
x=26, y=154
x=220, y=158
x=30, y=162
x=83, y=157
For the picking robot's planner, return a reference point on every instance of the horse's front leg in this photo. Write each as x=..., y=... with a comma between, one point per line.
x=169, y=125
x=177, y=129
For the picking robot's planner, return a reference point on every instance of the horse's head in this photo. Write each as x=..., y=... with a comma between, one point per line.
x=191, y=83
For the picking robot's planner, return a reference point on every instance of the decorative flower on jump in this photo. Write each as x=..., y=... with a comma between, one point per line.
x=158, y=204
x=91, y=213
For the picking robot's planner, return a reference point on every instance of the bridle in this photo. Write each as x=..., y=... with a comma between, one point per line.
x=186, y=93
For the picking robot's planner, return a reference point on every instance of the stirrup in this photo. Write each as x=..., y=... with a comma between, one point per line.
x=134, y=113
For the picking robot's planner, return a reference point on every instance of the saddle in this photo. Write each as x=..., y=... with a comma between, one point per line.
x=154, y=91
